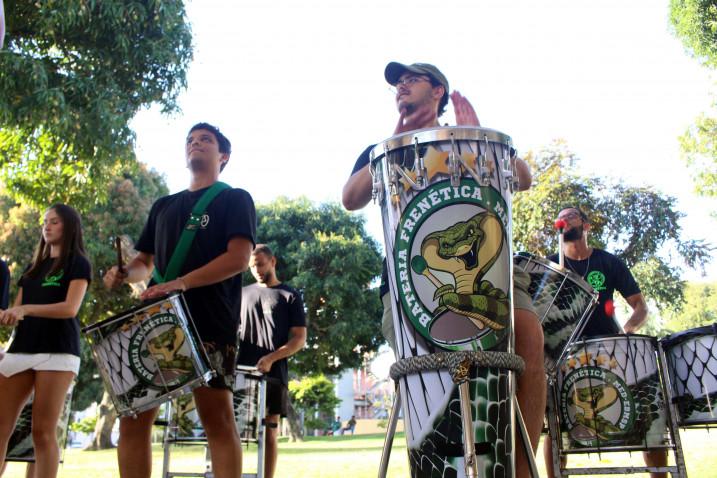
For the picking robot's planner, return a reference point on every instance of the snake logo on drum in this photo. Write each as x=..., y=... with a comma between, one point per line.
x=597, y=405
x=157, y=352
x=443, y=264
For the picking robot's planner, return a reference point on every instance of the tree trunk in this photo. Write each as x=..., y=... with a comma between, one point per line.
x=296, y=430
x=105, y=421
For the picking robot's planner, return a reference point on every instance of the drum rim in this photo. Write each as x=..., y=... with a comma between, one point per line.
x=557, y=268
x=132, y=311
x=600, y=338
x=685, y=335
x=442, y=133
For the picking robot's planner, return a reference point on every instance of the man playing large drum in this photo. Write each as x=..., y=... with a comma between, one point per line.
x=606, y=273
x=210, y=278
x=421, y=97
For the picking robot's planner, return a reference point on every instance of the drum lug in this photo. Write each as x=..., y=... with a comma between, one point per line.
x=454, y=165
x=376, y=182
x=419, y=165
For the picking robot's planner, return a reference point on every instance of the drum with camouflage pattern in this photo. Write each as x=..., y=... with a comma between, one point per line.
x=149, y=354
x=445, y=195
x=20, y=447
x=692, y=368
x=610, y=395
x=562, y=300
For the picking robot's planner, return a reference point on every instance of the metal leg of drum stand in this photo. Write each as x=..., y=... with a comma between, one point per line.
x=469, y=448
x=672, y=421
x=554, y=430
x=525, y=439
x=165, y=442
x=390, y=433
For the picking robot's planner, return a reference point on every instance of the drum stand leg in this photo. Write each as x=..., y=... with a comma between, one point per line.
x=469, y=448
x=525, y=440
x=390, y=433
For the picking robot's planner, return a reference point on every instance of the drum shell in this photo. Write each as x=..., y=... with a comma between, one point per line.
x=691, y=363
x=563, y=302
x=185, y=425
x=20, y=446
x=610, y=395
x=411, y=218
x=149, y=354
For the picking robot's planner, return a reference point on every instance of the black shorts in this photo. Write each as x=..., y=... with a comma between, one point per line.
x=277, y=397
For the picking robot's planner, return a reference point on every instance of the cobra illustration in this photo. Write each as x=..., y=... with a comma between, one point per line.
x=466, y=250
x=165, y=350
x=591, y=401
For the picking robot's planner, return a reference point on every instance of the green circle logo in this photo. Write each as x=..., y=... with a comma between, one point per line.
x=159, y=352
x=447, y=242
x=597, y=280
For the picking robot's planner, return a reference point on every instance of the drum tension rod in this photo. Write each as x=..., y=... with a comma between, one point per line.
x=418, y=165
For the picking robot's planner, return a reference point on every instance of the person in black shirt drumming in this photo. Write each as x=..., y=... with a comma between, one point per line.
x=606, y=273
x=273, y=327
x=45, y=351
x=210, y=278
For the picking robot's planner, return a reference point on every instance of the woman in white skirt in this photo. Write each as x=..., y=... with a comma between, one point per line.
x=44, y=354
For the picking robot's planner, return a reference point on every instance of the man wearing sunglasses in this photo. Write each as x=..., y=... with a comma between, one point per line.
x=422, y=95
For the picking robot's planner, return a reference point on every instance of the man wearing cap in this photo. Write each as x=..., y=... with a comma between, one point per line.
x=422, y=95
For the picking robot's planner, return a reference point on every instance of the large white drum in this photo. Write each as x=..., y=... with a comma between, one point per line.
x=445, y=196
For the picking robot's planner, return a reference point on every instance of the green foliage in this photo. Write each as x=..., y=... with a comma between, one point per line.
x=326, y=253
x=86, y=425
x=314, y=394
x=639, y=225
x=130, y=197
x=699, y=308
x=72, y=76
x=699, y=150
x=695, y=23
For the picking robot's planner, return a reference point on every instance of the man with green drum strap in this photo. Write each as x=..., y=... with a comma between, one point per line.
x=422, y=94
x=606, y=273
x=209, y=275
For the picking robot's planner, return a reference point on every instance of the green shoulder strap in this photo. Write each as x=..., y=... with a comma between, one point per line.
x=190, y=230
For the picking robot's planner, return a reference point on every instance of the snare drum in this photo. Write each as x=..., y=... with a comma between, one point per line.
x=149, y=354
x=610, y=395
x=185, y=425
x=20, y=446
x=692, y=369
x=445, y=196
x=562, y=300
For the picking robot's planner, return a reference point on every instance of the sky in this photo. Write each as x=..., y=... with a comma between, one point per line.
x=298, y=88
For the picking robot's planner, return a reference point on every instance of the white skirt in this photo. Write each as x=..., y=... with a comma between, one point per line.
x=13, y=363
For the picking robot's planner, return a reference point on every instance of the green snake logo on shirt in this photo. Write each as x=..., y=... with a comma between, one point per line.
x=597, y=280
x=53, y=281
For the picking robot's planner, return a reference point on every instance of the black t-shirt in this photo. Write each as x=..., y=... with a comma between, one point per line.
x=214, y=308
x=34, y=335
x=606, y=273
x=4, y=285
x=267, y=314
x=363, y=159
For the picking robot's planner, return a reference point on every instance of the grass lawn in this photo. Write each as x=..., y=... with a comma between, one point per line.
x=355, y=457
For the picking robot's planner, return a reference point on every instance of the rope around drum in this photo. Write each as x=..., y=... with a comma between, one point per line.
x=457, y=363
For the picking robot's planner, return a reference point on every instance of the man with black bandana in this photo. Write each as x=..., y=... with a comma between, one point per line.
x=606, y=273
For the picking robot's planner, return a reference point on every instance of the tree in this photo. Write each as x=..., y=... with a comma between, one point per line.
x=130, y=197
x=72, y=76
x=326, y=253
x=314, y=395
x=694, y=22
x=699, y=309
x=639, y=225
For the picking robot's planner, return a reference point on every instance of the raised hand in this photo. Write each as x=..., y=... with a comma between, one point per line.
x=464, y=111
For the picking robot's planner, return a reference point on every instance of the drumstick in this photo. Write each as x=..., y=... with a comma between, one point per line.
x=419, y=265
x=560, y=226
x=118, y=247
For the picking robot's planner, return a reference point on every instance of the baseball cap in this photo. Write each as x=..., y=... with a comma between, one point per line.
x=394, y=70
